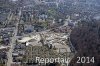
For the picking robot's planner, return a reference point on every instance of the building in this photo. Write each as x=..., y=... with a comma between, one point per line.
x=20, y=29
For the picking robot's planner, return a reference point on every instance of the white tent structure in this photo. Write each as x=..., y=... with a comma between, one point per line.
x=26, y=39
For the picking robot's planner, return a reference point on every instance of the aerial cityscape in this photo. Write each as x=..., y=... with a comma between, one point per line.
x=49, y=32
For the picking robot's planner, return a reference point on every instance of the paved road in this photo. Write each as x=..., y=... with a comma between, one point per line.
x=12, y=43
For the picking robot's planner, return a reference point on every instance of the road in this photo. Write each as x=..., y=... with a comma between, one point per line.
x=12, y=43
